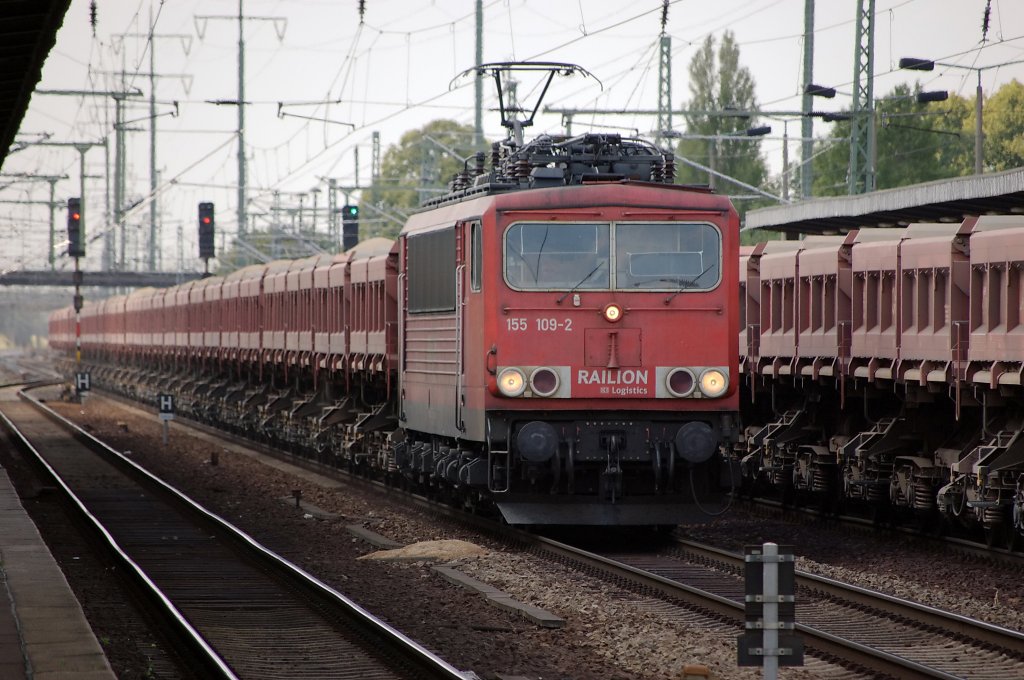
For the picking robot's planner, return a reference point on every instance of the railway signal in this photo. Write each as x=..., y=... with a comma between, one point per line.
x=76, y=242
x=206, y=231
x=349, y=226
x=76, y=249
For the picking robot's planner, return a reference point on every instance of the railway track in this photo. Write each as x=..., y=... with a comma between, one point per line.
x=875, y=634
x=767, y=507
x=230, y=608
x=882, y=634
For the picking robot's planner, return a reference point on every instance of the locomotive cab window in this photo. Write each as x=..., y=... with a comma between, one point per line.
x=552, y=256
x=667, y=256
x=477, y=257
x=430, y=262
x=621, y=256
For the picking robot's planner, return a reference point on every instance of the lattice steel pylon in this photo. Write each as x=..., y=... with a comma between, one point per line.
x=862, y=118
x=664, y=89
x=664, y=81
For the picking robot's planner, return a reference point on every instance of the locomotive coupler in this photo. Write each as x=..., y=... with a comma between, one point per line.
x=611, y=478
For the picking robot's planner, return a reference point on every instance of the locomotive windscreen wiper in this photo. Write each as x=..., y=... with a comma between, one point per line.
x=581, y=282
x=688, y=283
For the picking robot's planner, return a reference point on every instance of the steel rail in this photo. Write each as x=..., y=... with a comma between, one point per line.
x=428, y=664
x=932, y=616
x=1011, y=558
x=875, y=660
x=201, y=655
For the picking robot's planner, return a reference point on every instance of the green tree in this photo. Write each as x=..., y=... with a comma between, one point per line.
x=1003, y=124
x=719, y=83
x=915, y=142
x=419, y=167
x=920, y=142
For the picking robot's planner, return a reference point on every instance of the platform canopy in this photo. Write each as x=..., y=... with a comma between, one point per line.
x=28, y=29
x=947, y=200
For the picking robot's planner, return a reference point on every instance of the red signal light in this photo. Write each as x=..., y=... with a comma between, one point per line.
x=206, y=230
x=76, y=237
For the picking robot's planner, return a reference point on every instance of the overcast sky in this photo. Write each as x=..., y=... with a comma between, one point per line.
x=394, y=73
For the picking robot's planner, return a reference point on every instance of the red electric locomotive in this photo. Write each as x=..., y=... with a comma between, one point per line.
x=557, y=335
x=581, y=364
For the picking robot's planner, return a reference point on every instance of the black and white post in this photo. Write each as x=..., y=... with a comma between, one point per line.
x=770, y=609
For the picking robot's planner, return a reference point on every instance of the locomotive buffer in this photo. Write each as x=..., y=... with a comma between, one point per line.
x=770, y=608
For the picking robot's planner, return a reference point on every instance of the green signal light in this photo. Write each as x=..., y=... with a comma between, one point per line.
x=352, y=210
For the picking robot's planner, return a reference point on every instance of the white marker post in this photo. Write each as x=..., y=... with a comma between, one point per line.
x=83, y=383
x=166, y=403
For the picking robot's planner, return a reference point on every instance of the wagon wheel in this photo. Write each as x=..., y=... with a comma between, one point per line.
x=795, y=494
x=998, y=535
x=930, y=523
x=880, y=513
x=787, y=492
x=1014, y=540
x=1003, y=536
x=832, y=500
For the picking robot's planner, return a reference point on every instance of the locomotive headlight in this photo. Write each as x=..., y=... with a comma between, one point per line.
x=511, y=382
x=612, y=312
x=544, y=381
x=713, y=382
x=680, y=382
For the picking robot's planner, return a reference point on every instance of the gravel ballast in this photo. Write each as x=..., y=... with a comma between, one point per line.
x=609, y=633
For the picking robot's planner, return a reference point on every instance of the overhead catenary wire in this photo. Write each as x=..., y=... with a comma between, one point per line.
x=289, y=163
